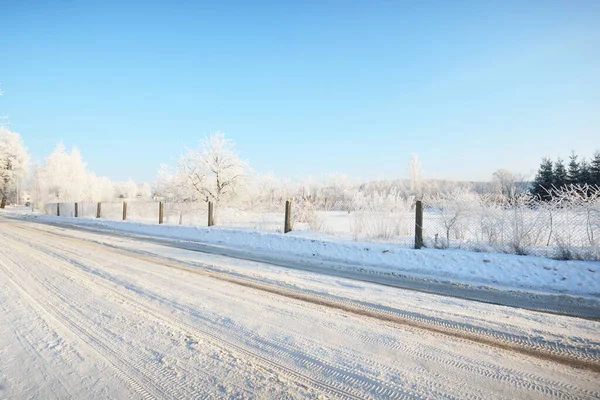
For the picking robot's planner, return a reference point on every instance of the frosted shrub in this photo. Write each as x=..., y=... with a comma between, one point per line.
x=381, y=217
x=455, y=211
x=304, y=212
x=576, y=222
x=491, y=222
x=525, y=224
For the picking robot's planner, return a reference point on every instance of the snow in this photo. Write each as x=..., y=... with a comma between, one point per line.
x=486, y=270
x=96, y=315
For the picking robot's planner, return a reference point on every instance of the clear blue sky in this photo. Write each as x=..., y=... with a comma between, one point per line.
x=306, y=87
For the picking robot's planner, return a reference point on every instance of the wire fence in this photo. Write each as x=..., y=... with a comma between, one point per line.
x=562, y=229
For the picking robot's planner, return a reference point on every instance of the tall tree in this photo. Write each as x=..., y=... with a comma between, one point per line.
x=508, y=184
x=543, y=180
x=595, y=169
x=560, y=174
x=64, y=175
x=14, y=162
x=573, y=171
x=415, y=174
x=215, y=170
x=584, y=173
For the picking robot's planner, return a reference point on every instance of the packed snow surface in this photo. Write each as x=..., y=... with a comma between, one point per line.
x=90, y=315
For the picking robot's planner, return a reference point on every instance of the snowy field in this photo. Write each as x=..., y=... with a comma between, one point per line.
x=98, y=316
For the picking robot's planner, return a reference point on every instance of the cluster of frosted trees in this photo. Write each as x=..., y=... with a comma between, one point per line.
x=63, y=177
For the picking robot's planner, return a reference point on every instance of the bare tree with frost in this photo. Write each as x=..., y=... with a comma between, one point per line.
x=215, y=170
x=508, y=184
x=172, y=185
x=415, y=174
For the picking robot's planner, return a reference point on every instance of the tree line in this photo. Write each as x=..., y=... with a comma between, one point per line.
x=557, y=175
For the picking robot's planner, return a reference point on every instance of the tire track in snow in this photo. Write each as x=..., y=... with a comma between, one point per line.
x=328, y=376
x=24, y=339
x=129, y=366
x=578, y=357
x=51, y=313
x=543, y=303
x=488, y=372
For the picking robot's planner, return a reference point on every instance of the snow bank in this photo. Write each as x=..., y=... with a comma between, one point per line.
x=500, y=271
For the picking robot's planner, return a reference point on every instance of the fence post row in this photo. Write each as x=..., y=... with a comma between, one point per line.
x=160, y=212
x=211, y=219
x=98, y=210
x=76, y=210
x=419, y=225
x=288, y=215
x=124, y=210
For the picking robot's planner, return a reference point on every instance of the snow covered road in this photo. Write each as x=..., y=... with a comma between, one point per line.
x=85, y=315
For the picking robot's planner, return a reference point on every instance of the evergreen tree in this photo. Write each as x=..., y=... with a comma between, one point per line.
x=573, y=171
x=595, y=169
x=584, y=173
x=560, y=174
x=543, y=180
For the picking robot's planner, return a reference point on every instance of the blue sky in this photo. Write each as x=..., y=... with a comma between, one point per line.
x=306, y=88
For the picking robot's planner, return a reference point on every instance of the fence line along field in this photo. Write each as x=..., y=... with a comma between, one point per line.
x=566, y=227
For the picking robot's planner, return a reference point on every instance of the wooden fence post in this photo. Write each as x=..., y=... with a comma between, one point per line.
x=288, y=216
x=58, y=209
x=211, y=219
x=419, y=225
x=161, y=207
x=99, y=210
x=76, y=210
x=124, y=210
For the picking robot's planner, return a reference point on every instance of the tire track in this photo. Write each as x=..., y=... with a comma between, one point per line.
x=29, y=346
x=124, y=365
x=526, y=381
x=579, y=357
x=542, y=303
x=327, y=377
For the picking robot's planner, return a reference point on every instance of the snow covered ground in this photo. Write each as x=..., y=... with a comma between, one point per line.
x=483, y=270
x=92, y=315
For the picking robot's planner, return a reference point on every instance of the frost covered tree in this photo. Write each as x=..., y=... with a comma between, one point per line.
x=127, y=190
x=144, y=191
x=131, y=191
x=14, y=163
x=100, y=188
x=172, y=185
x=415, y=174
x=215, y=170
x=508, y=184
x=64, y=175
x=36, y=188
